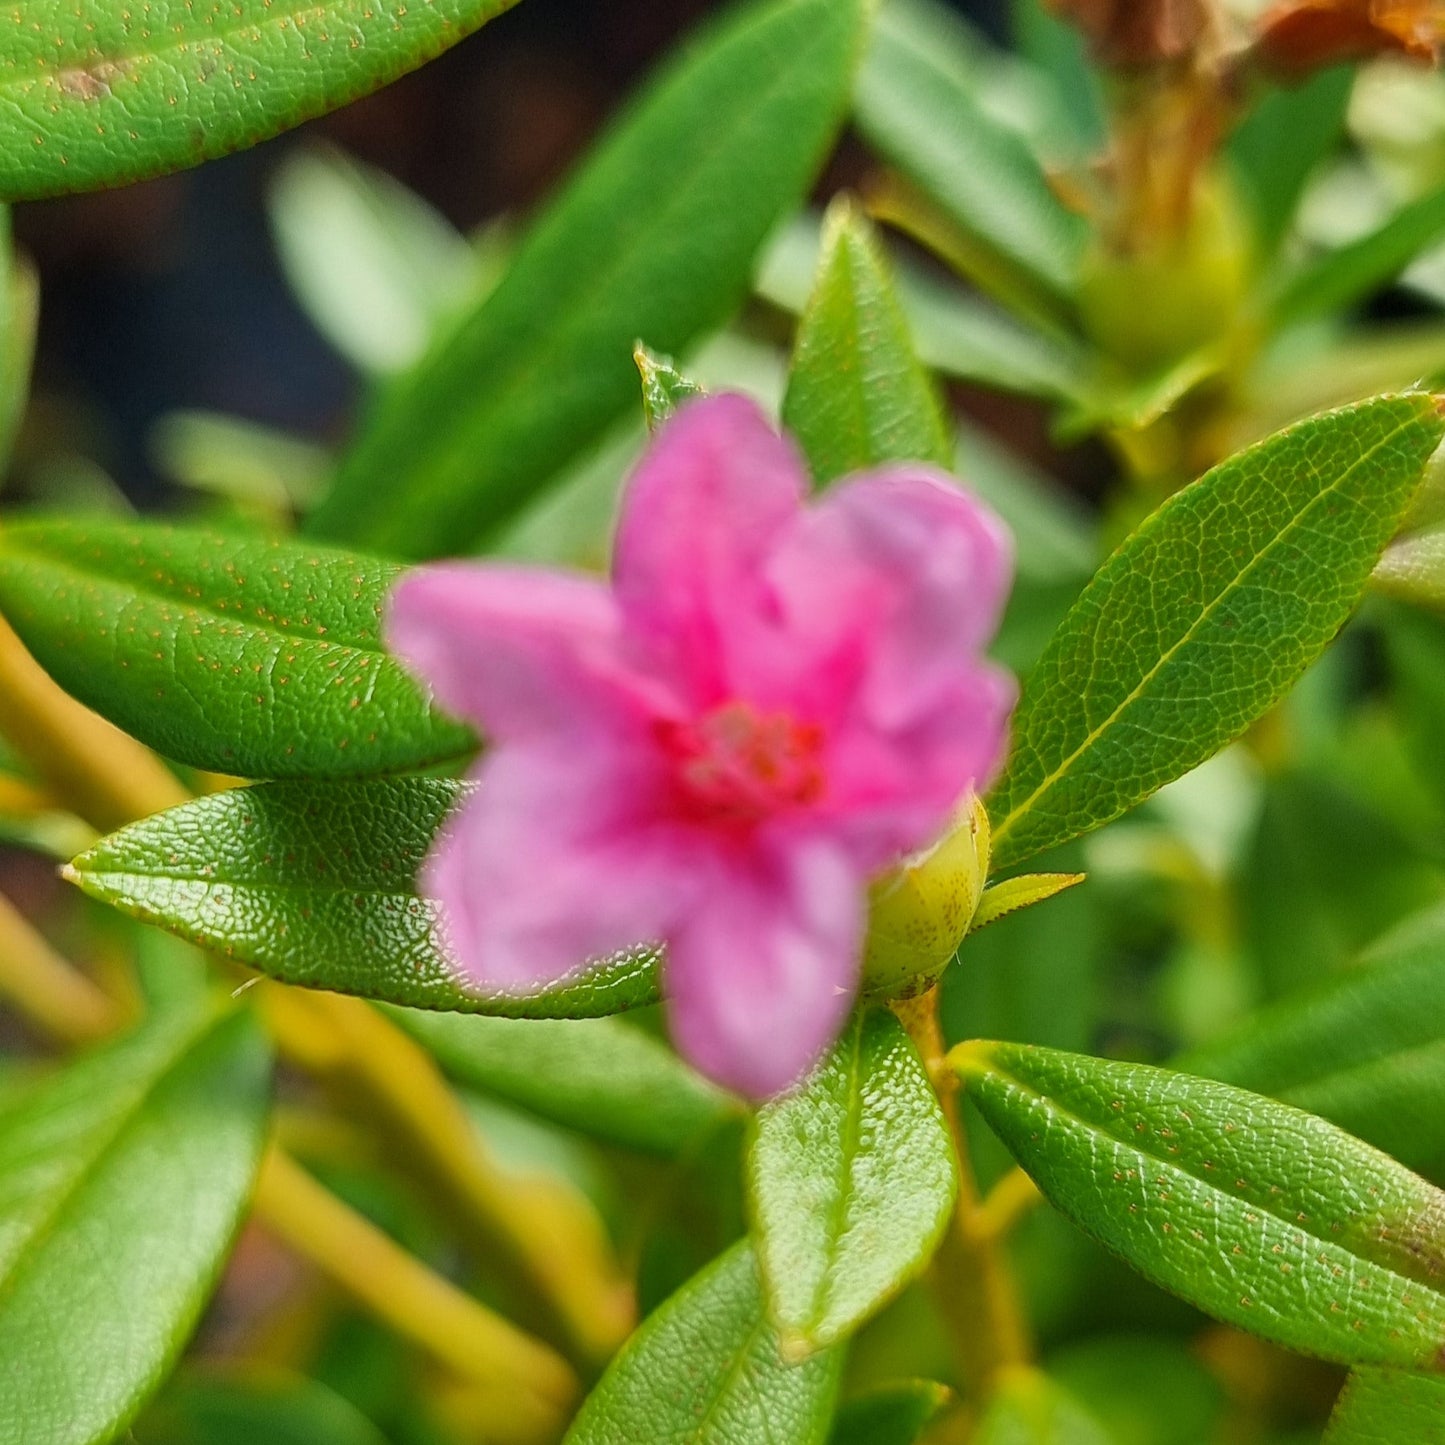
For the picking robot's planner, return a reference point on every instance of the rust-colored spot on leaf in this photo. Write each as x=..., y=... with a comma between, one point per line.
x=90, y=82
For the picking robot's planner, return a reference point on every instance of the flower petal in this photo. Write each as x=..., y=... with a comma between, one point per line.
x=762, y=970
x=550, y=865
x=717, y=489
x=517, y=650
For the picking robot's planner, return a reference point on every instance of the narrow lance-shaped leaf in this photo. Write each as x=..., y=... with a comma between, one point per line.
x=601, y=1076
x=1389, y=1407
x=122, y=1182
x=242, y=655
x=1266, y=1217
x=315, y=885
x=654, y=238
x=1365, y=1050
x=1024, y=891
x=705, y=1369
x=918, y=104
x=857, y=394
x=852, y=1181
x=1340, y=279
x=1206, y=616
x=99, y=94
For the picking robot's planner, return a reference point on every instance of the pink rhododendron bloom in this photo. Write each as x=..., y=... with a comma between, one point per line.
x=770, y=705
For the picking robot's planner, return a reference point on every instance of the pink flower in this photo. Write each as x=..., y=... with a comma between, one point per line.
x=769, y=707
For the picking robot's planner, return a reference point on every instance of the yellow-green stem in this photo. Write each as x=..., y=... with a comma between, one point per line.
x=557, y=1255
x=531, y=1389
x=46, y=989
x=970, y=1276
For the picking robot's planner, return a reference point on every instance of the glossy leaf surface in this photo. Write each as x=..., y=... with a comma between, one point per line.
x=1365, y=1050
x=857, y=394
x=654, y=238
x=315, y=885
x=122, y=1181
x=241, y=655
x=99, y=94
x=852, y=1182
x=603, y=1077
x=1205, y=616
x=1389, y=1407
x=705, y=1369
x=1264, y=1216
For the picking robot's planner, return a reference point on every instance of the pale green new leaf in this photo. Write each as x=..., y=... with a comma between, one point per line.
x=1205, y=616
x=1028, y=1408
x=655, y=238
x=123, y=1179
x=706, y=1369
x=851, y=1181
x=894, y=1415
x=664, y=386
x=1266, y=1217
x=919, y=104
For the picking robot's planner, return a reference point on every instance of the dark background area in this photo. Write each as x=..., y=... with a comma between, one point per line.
x=168, y=294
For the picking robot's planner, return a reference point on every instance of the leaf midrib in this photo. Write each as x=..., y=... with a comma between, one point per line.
x=45, y=1231
x=146, y=587
x=1291, y=1222
x=1005, y=825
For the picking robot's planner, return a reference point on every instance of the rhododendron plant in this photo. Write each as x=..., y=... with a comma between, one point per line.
x=772, y=703
x=530, y=897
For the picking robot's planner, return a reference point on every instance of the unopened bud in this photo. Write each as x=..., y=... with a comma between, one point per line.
x=919, y=913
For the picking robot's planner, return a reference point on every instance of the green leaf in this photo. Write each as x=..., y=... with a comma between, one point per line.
x=1205, y=617
x=852, y=1182
x=857, y=394
x=1340, y=279
x=894, y=1415
x=1030, y=1409
x=315, y=885
x=377, y=269
x=1388, y=1407
x=918, y=104
x=604, y=1077
x=1364, y=1049
x=19, y=317
x=1287, y=135
x=1326, y=873
x=1061, y=54
x=238, y=654
x=1261, y=1215
x=1024, y=891
x=278, y=1409
x=664, y=387
x=1415, y=647
x=1413, y=569
x=124, y=1181
x=654, y=238
x=705, y=1369
x=98, y=94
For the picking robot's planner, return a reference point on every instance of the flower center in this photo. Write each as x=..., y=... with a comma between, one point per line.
x=738, y=765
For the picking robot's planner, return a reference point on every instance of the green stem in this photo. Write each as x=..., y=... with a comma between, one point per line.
x=971, y=1279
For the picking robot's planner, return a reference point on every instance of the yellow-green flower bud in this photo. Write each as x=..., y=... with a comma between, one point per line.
x=919, y=913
